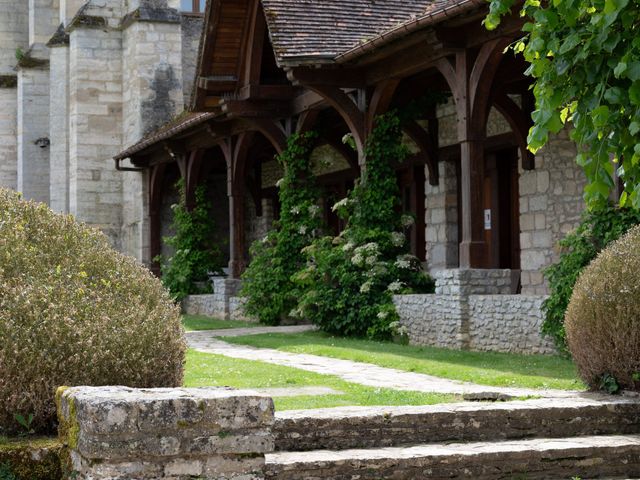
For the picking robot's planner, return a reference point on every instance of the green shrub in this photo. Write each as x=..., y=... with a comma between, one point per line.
x=597, y=229
x=196, y=253
x=75, y=312
x=267, y=284
x=350, y=280
x=603, y=317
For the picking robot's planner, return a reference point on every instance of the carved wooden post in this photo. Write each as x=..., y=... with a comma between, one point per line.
x=156, y=180
x=235, y=192
x=471, y=137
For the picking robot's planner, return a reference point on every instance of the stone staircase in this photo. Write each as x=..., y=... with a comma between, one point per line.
x=587, y=437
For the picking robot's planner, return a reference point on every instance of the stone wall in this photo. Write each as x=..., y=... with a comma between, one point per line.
x=152, y=95
x=119, y=433
x=474, y=282
x=191, y=33
x=216, y=305
x=44, y=18
x=8, y=136
x=14, y=33
x=473, y=309
x=441, y=218
x=550, y=206
x=33, y=131
x=59, y=129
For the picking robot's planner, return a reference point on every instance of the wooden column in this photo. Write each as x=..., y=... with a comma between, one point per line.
x=471, y=137
x=235, y=193
x=156, y=183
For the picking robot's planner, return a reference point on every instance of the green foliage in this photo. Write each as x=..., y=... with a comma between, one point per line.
x=597, y=229
x=25, y=423
x=350, y=280
x=75, y=312
x=267, y=284
x=196, y=253
x=6, y=472
x=584, y=56
x=603, y=317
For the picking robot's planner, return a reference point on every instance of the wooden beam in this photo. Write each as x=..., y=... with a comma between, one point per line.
x=268, y=92
x=338, y=77
x=256, y=108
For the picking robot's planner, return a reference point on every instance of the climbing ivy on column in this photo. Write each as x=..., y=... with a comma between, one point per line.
x=195, y=251
x=349, y=282
x=267, y=284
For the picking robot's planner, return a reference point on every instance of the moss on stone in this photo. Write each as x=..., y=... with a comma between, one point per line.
x=8, y=81
x=68, y=428
x=32, y=458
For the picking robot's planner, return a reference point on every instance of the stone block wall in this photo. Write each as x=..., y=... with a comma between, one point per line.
x=550, y=207
x=498, y=323
x=191, y=33
x=33, y=131
x=95, y=113
x=220, y=304
x=152, y=95
x=8, y=135
x=119, y=433
x=59, y=129
x=441, y=218
x=44, y=18
x=474, y=282
x=507, y=323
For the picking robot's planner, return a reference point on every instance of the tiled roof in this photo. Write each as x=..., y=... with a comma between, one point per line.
x=179, y=125
x=323, y=29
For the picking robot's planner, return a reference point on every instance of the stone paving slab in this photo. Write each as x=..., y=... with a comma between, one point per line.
x=356, y=372
x=295, y=391
x=240, y=332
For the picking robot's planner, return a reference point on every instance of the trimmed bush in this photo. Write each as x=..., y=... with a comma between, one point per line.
x=597, y=229
x=75, y=312
x=603, y=318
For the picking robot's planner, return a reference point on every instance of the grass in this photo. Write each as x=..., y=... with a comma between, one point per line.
x=193, y=323
x=205, y=369
x=485, y=368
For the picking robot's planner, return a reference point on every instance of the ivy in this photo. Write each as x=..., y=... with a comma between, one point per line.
x=597, y=229
x=196, y=255
x=267, y=284
x=349, y=282
x=584, y=57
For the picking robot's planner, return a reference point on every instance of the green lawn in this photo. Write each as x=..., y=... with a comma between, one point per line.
x=205, y=369
x=496, y=369
x=198, y=322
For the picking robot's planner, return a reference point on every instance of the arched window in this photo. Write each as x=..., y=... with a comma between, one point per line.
x=193, y=6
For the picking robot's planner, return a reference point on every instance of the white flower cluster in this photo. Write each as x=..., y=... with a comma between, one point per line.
x=295, y=210
x=341, y=204
x=403, y=264
x=395, y=286
x=397, y=239
x=348, y=246
x=407, y=221
x=314, y=210
x=366, y=287
x=302, y=230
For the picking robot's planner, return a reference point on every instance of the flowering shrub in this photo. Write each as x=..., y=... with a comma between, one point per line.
x=75, y=312
x=196, y=254
x=350, y=280
x=267, y=284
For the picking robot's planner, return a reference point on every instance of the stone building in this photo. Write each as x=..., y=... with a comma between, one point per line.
x=79, y=81
x=106, y=79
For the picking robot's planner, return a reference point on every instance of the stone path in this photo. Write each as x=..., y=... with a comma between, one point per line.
x=239, y=332
x=356, y=372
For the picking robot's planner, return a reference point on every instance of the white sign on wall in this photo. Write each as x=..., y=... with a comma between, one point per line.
x=487, y=219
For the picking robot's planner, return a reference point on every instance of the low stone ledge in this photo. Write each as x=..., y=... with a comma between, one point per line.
x=211, y=433
x=379, y=427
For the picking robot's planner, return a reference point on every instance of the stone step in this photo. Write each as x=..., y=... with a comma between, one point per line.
x=369, y=427
x=616, y=456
